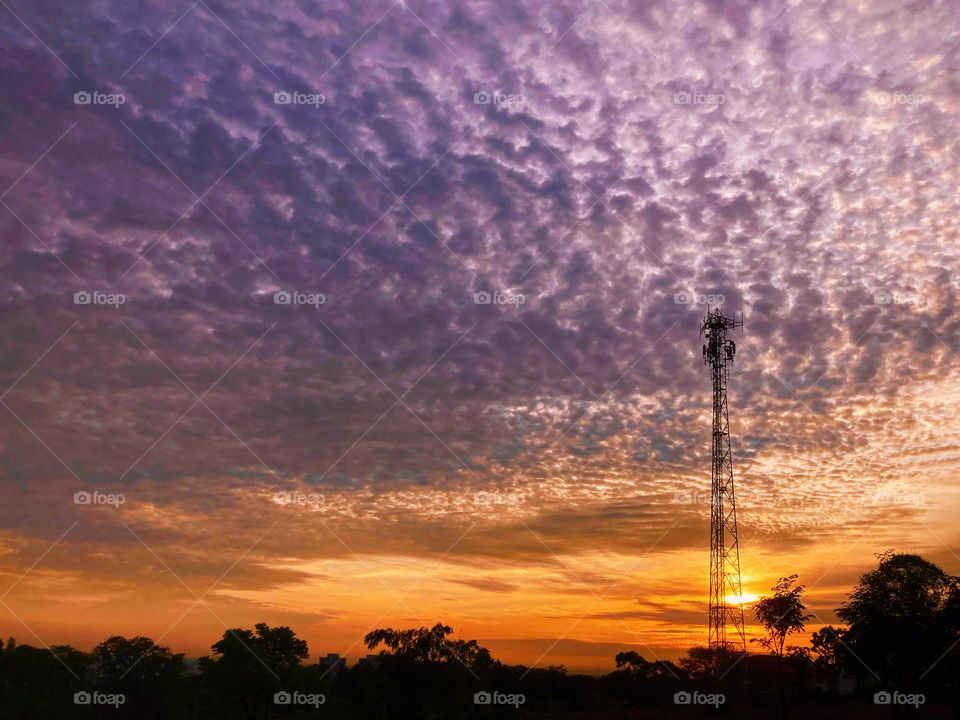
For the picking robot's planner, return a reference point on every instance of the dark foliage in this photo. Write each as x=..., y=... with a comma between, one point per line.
x=902, y=617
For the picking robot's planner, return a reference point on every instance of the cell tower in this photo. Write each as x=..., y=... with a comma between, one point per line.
x=726, y=607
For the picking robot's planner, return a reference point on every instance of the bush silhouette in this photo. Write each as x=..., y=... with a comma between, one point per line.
x=901, y=617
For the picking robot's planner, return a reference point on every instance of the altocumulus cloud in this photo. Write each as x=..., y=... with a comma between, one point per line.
x=609, y=166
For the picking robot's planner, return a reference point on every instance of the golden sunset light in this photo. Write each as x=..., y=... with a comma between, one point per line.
x=477, y=359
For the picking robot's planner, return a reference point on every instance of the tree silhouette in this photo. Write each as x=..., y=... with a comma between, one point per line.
x=903, y=618
x=643, y=681
x=709, y=664
x=642, y=669
x=134, y=661
x=35, y=682
x=422, y=673
x=144, y=672
x=421, y=644
x=827, y=644
x=430, y=645
x=782, y=614
x=250, y=666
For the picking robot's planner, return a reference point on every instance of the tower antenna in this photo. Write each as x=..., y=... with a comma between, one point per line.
x=726, y=604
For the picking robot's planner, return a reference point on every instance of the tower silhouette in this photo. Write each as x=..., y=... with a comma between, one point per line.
x=726, y=604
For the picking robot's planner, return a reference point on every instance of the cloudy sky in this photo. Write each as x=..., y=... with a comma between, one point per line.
x=478, y=396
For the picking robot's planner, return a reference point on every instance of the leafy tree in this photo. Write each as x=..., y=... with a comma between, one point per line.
x=782, y=614
x=277, y=651
x=632, y=662
x=426, y=672
x=710, y=664
x=134, y=662
x=641, y=681
x=472, y=654
x=430, y=645
x=826, y=643
x=640, y=668
x=36, y=682
x=903, y=617
x=421, y=644
x=144, y=672
x=250, y=666
x=799, y=659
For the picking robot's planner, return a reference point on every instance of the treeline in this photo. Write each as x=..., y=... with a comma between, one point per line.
x=898, y=647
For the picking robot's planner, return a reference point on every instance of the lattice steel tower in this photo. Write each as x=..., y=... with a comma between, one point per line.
x=726, y=606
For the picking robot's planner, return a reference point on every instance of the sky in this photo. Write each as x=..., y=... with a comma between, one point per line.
x=343, y=315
